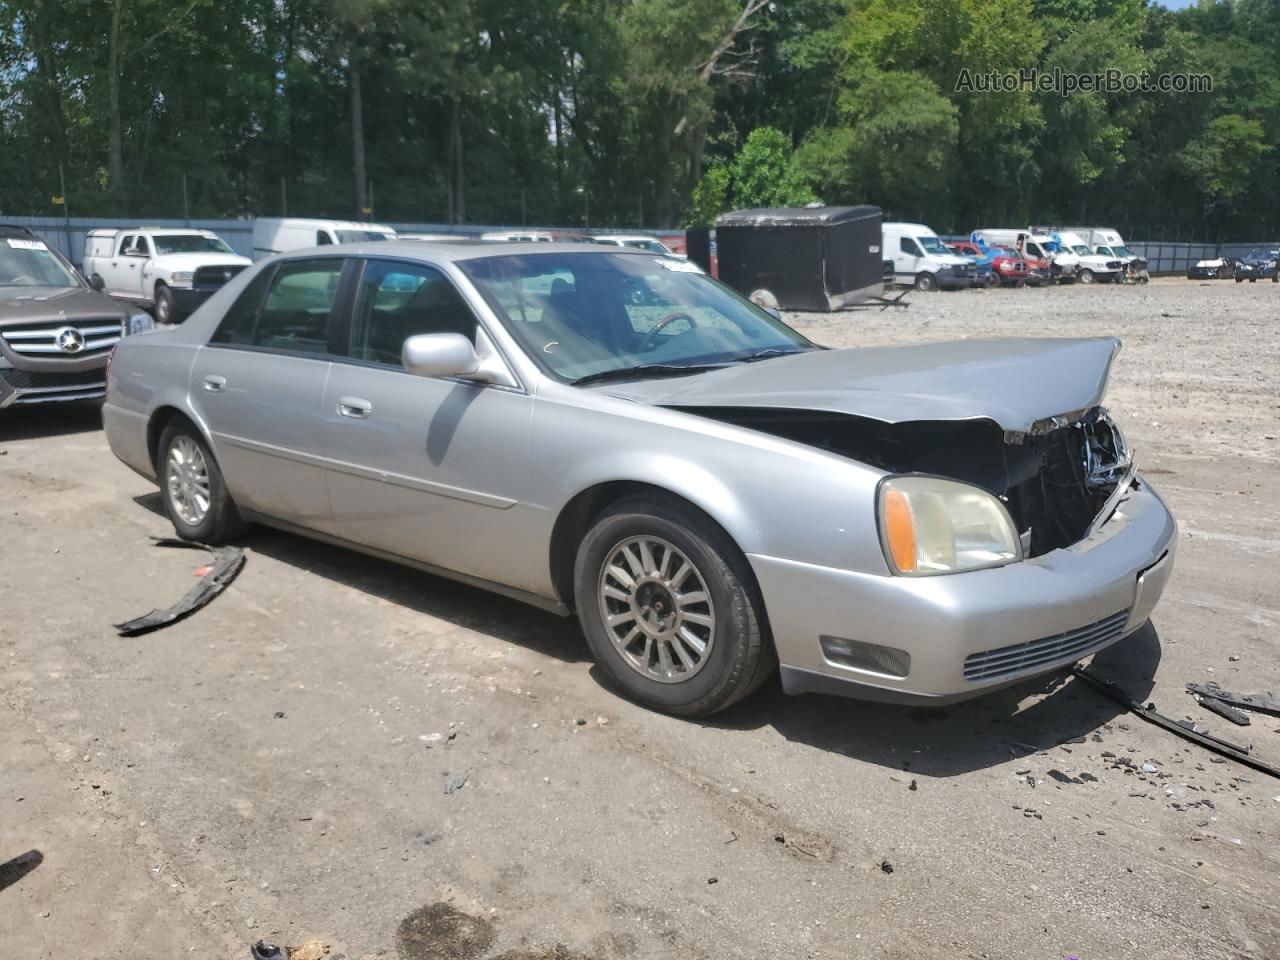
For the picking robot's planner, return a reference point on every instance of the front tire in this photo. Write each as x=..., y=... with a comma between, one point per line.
x=926, y=282
x=166, y=307
x=991, y=280
x=1085, y=275
x=195, y=495
x=670, y=608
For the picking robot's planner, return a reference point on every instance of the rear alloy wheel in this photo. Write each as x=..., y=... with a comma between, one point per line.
x=926, y=282
x=670, y=608
x=1086, y=275
x=195, y=495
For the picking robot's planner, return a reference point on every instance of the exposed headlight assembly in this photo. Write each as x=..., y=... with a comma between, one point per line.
x=930, y=526
x=140, y=322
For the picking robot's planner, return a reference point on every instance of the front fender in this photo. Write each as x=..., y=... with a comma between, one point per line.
x=774, y=497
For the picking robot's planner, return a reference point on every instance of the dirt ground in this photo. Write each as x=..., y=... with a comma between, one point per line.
x=403, y=767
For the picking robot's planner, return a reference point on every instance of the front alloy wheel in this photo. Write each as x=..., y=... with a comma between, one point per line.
x=657, y=609
x=670, y=607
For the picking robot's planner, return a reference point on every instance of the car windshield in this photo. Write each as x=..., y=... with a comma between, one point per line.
x=585, y=314
x=188, y=243
x=1121, y=251
x=359, y=236
x=932, y=245
x=30, y=263
x=1003, y=252
x=1080, y=250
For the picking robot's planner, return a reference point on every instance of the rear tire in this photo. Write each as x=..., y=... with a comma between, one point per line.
x=926, y=282
x=194, y=493
x=644, y=646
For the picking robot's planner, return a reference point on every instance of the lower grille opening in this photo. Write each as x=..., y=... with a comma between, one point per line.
x=38, y=380
x=1020, y=657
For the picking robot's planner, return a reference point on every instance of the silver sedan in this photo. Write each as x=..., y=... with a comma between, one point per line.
x=616, y=434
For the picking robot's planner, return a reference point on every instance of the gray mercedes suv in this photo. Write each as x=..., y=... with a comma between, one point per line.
x=56, y=332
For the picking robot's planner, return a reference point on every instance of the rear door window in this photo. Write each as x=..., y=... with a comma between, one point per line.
x=295, y=316
x=237, y=323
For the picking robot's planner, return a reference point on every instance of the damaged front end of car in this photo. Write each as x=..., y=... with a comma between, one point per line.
x=1058, y=480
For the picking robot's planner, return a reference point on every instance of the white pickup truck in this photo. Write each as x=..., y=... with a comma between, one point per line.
x=170, y=270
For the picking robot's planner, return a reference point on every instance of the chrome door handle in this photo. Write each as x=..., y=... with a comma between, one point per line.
x=354, y=407
x=214, y=383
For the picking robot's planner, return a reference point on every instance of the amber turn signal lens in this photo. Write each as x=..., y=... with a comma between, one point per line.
x=900, y=533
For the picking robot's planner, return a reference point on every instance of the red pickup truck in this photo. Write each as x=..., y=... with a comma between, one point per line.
x=1008, y=269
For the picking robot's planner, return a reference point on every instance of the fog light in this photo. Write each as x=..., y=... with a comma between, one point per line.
x=889, y=661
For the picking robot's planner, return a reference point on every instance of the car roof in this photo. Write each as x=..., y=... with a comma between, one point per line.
x=13, y=230
x=455, y=252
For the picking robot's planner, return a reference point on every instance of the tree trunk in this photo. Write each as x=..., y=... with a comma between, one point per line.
x=115, y=127
x=47, y=67
x=460, y=183
x=559, y=126
x=357, y=144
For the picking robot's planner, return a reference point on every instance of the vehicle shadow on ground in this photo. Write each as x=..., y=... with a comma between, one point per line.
x=947, y=741
x=52, y=420
x=440, y=597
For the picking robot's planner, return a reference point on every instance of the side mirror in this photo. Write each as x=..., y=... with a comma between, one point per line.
x=440, y=355
x=97, y=283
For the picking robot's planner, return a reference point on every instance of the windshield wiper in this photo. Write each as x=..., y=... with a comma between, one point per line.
x=644, y=371
x=767, y=353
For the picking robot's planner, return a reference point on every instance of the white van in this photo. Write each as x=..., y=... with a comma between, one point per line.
x=276, y=234
x=921, y=260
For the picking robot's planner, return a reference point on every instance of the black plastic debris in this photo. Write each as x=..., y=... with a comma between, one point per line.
x=267, y=951
x=1213, y=697
x=1224, y=710
x=228, y=562
x=886, y=866
x=1149, y=713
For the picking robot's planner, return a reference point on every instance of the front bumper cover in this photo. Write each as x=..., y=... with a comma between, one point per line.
x=1114, y=577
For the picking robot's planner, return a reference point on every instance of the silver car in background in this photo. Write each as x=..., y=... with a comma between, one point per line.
x=615, y=434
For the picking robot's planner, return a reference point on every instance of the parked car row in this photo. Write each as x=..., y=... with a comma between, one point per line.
x=1009, y=257
x=1257, y=264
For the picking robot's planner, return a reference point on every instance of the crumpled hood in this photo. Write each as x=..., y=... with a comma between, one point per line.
x=1015, y=382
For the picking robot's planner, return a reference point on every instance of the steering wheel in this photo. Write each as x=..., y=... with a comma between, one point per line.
x=650, y=338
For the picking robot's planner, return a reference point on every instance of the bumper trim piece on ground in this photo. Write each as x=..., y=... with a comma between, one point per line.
x=229, y=562
x=1148, y=713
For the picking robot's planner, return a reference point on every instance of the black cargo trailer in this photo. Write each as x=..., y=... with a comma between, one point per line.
x=808, y=258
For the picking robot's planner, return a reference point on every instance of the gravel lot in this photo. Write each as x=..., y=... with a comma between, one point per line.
x=277, y=766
